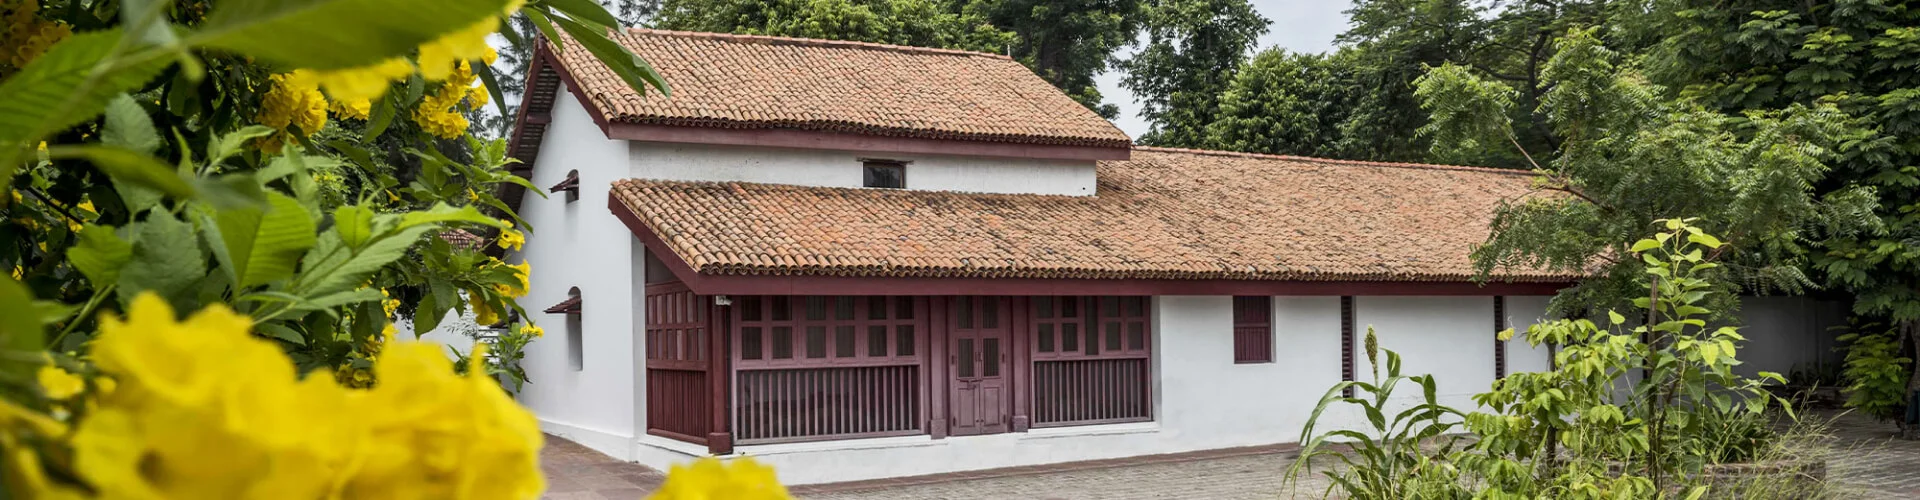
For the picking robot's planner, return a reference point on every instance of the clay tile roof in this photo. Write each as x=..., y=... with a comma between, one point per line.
x=760, y=82
x=462, y=239
x=1164, y=214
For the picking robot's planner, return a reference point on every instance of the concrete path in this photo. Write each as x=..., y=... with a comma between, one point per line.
x=1865, y=462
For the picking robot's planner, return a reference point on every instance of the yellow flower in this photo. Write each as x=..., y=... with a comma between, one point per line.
x=490, y=56
x=437, y=57
x=482, y=313
x=207, y=410
x=364, y=83
x=532, y=331
x=28, y=42
x=511, y=239
x=709, y=478
x=358, y=110
x=58, y=384
x=477, y=96
x=18, y=273
x=85, y=212
x=294, y=101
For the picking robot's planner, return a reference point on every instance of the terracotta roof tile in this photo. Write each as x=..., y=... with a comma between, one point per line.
x=1164, y=214
x=743, y=81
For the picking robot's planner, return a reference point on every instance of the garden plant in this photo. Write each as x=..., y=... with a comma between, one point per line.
x=217, y=211
x=1646, y=406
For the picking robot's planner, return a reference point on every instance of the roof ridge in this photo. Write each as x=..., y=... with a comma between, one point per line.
x=812, y=42
x=1361, y=163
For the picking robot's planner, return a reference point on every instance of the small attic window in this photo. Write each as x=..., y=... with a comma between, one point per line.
x=885, y=174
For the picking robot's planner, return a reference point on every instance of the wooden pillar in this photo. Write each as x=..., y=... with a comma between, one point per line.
x=719, y=377
x=937, y=308
x=1021, y=348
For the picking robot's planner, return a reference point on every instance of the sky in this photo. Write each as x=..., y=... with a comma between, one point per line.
x=1298, y=25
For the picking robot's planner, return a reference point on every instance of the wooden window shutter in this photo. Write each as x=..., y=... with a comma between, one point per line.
x=1346, y=343
x=1253, y=329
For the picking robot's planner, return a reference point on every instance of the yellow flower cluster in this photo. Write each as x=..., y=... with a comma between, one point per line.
x=388, y=303
x=521, y=272
x=439, y=113
x=532, y=331
x=57, y=383
x=294, y=102
x=709, y=478
x=511, y=239
x=26, y=36
x=206, y=410
x=363, y=84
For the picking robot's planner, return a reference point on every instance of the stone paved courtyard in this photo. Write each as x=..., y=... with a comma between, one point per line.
x=1866, y=463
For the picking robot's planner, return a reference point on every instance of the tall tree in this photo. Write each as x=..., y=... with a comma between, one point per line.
x=921, y=23
x=1287, y=103
x=510, y=69
x=1068, y=42
x=1748, y=56
x=1193, y=49
x=1628, y=157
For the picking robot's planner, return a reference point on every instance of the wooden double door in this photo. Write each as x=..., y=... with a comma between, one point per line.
x=979, y=345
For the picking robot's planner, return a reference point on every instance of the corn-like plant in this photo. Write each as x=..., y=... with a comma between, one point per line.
x=1402, y=456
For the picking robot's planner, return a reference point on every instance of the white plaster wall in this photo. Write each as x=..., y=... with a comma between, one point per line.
x=813, y=167
x=1522, y=312
x=1784, y=333
x=1448, y=337
x=581, y=244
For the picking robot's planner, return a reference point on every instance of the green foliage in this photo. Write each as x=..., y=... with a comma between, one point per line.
x=922, y=23
x=1587, y=428
x=1286, y=103
x=1067, y=42
x=1876, y=372
x=1193, y=49
x=1862, y=57
x=1627, y=156
x=161, y=172
x=1394, y=457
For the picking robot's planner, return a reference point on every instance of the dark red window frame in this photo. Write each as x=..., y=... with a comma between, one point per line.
x=1252, y=329
x=1102, y=327
x=1499, y=346
x=811, y=331
x=1346, y=343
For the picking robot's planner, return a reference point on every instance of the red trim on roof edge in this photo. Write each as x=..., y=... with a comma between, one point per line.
x=841, y=285
x=808, y=139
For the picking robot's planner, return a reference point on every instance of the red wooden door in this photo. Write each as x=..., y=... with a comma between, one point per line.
x=977, y=352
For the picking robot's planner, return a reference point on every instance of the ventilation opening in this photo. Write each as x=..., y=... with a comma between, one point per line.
x=884, y=174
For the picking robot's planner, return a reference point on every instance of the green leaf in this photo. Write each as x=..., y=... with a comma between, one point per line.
x=1706, y=240
x=443, y=213
x=1644, y=245
x=129, y=127
x=99, y=255
x=629, y=67
x=228, y=145
x=264, y=245
x=130, y=167
x=1616, y=318
x=355, y=224
x=585, y=10
x=19, y=320
x=232, y=191
x=334, y=34
x=166, y=259
x=332, y=267
x=69, y=84
x=485, y=72
x=281, y=332
x=382, y=117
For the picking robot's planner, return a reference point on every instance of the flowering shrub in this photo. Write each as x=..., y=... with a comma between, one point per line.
x=281, y=168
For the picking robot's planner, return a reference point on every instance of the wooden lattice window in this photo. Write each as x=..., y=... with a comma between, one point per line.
x=1346, y=343
x=1253, y=329
x=1499, y=346
x=1090, y=327
x=801, y=331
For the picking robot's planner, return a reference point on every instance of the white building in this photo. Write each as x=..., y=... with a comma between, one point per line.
x=857, y=261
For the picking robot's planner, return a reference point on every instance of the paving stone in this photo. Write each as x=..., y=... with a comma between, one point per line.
x=1865, y=462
